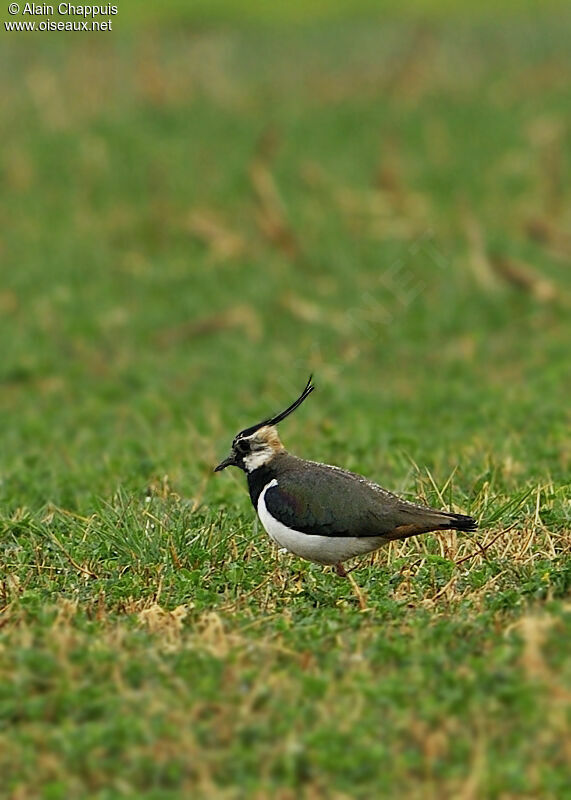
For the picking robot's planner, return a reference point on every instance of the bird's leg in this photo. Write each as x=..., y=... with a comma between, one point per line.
x=361, y=596
x=342, y=572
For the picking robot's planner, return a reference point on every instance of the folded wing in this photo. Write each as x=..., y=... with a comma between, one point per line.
x=334, y=502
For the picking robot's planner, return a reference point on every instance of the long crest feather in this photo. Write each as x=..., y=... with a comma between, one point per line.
x=309, y=387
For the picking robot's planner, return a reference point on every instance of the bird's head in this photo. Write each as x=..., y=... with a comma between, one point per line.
x=257, y=445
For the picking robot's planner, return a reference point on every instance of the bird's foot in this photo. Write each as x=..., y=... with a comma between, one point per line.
x=361, y=597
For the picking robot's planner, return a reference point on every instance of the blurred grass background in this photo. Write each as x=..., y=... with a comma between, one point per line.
x=199, y=208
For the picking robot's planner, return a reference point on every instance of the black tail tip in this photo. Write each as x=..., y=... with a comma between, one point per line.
x=461, y=522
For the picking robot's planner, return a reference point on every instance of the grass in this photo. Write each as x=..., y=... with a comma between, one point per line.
x=192, y=223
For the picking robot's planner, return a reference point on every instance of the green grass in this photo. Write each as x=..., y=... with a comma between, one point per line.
x=193, y=222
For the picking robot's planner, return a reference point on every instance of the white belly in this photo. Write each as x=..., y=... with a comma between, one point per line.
x=321, y=549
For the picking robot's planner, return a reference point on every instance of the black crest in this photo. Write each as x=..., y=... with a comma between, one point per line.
x=309, y=387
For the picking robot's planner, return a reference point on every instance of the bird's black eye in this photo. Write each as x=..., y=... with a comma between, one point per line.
x=242, y=446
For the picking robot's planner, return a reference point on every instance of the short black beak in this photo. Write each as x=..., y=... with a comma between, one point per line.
x=228, y=462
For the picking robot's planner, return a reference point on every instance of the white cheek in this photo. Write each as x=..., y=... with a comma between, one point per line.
x=257, y=459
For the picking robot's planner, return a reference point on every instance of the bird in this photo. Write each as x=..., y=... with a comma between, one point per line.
x=324, y=513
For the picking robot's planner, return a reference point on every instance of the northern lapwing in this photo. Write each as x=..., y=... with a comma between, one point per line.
x=320, y=512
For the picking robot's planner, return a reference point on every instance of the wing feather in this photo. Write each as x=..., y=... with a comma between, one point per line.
x=331, y=503
x=319, y=499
